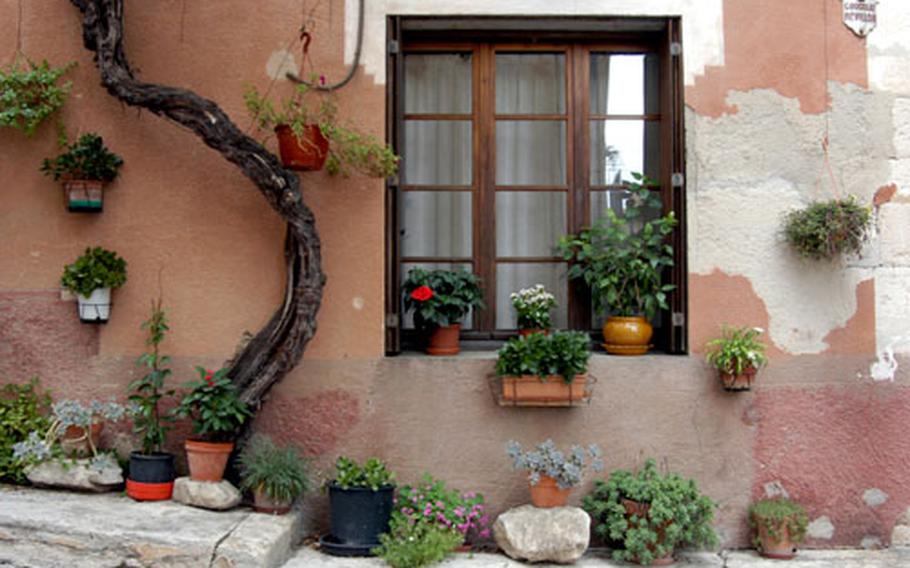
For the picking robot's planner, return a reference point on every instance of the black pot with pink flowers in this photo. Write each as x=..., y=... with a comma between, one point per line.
x=440, y=301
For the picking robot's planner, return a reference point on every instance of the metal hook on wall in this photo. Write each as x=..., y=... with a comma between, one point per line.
x=306, y=38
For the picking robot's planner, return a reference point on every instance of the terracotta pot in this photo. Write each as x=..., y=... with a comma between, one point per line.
x=639, y=509
x=263, y=504
x=781, y=547
x=74, y=441
x=307, y=153
x=627, y=335
x=84, y=195
x=207, y=460
x=531, y=389
x=531, y=331
x=444, y=340
x=547, y=494
x=741, y=382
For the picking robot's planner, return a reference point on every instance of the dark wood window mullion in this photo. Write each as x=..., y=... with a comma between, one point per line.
x=484, y=180
x=579, y=297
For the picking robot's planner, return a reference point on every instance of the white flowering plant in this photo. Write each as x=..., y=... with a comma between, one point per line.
x=738, y=350
x=533, y=306
x=567, y=468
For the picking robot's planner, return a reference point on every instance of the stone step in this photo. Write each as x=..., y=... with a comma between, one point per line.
x=43, y=528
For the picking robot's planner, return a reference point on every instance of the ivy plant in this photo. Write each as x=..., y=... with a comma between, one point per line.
x=96, y=268
x=30, y=93
x=372, y=474
x=776, y=514
x=87, y=159
x=737, y=350
x=562, y=353
x=440, y=297
x=23, y=409
x=148, y=420
x=673, y=513
x=279, y=472
x=826, y=229
x=621, y=259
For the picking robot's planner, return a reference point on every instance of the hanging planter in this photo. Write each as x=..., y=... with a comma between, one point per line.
x=91, y=278
x=304, y=152
x=31, y=93
x=826, y=229
x=84, y=169
x=737, y=356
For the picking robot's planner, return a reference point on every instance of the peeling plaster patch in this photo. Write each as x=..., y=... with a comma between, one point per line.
x=776, y=489
x=281, y=62
x=874, y=497
x=871, y=542
x=892, y=312
x=703, y=31
x=888, y=49
x=821, y=528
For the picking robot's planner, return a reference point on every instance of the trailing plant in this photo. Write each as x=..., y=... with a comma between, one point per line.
x=567, y=468
x=440, y=297
x=775, y=515
x=669, y=512
x=621, y=259
x=279, y=472
x=23, y=409
x=562, y=353
x=148, y=420
x=30, y=93
x=533, y=306
x=826, y=229
x=213, y=405
x=432, y=502
x=412, y=543
x=87, y=159
x=96, y=268
x=347, y=146
x=373, y=474
x=738, y=350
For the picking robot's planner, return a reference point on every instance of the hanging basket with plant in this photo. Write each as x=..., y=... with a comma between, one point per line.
x=91, y=278
x=30, y=93
x=84, y=168
x=827, y=229
x=737, y=356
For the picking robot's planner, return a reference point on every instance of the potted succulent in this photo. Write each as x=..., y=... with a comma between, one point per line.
x=85, y=167
x=151, y=474
x=622, y=259
x=544, y=370
x=277, y=476
x=78, y=426
x=31, y=93
x=360, y=506
x=533, y=306
x=309, y=135
x=780, y=525
x=826, y=229
x=553, y=473
x=217, y=413
x=650, y=514
x=737, y=356
x=91, y=278
x=440, y=299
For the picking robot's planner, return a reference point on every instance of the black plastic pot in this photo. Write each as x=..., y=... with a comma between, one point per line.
x=151, y=468
x=360, y=515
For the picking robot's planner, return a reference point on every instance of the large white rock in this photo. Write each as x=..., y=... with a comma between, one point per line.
x=559, y=534
x=76, y=475
x=900, y=534
x=215, y=495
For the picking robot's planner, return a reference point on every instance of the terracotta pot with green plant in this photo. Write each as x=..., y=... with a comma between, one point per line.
x=737, y=356
x=217, y=413
x=826, y=229
x=544, y=370
x=91, y=278
x=622, y=260
x=440, y=299
x=553, y=473
x=84, y=168
x=361, y=500
x=277, y=476
x=779, y=525
x=31, y=93
x=533, y=307
x=650, y=514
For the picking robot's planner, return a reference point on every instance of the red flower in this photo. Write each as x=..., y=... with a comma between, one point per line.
x=210, y=378
x=422, y=293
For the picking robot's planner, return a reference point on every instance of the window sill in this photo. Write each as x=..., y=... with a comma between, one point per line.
x=488, y=354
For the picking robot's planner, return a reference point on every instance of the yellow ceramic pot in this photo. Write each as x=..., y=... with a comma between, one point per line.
x=627, y=335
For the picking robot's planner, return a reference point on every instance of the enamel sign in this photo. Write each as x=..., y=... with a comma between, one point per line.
x=860, y=16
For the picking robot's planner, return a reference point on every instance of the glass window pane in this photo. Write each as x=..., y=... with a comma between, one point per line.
x=528, y=223
x=619, y=147
x=635, y=79
x=437, y=83
x=437, y=152
x=436, y=223
x=618, y=200
x=530, y=83
x=513, y=277
x=530, y=152
x=407, y=319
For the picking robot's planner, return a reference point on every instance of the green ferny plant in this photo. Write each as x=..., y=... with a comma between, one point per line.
x=776, y=514
x=279, y=472
x=826, y=229
x=87, y=159
x=148, y=421
x=739, y=349
x=29, y=93
x=372, y=474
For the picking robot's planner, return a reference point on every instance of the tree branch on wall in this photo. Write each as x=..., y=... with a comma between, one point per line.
x=278, y=346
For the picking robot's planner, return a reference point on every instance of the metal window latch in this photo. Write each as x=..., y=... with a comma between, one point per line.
x=393, y=46
x=391, y=320
x=679, y=319
x=677, y=179
x=675, y=48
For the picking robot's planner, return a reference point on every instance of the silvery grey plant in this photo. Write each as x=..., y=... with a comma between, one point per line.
x=546, y=459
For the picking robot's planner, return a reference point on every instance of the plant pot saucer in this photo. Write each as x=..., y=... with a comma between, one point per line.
x=615, y=349
x=330, y=545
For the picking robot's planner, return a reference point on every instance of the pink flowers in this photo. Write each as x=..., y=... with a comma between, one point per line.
x=431, y=502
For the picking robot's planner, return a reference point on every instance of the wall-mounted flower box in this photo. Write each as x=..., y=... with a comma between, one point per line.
x=91, y=278
x=544, y=370
x=84, y=168
x=84, y=196
x=531, y=390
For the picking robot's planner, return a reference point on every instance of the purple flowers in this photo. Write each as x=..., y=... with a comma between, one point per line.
x=430, y=501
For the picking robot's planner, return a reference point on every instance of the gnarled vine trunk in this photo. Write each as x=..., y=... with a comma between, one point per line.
x=278, y=346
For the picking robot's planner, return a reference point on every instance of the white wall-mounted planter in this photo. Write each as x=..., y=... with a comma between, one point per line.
x=95, y=308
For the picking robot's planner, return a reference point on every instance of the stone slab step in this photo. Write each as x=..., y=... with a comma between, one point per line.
x=43, y=528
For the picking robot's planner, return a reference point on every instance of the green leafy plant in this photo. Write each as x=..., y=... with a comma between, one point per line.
x=213, y=405
x=96, y=268
x=562, y=353
x=775, y=515
x=30, y=93
x=567, y=468
x=373, y=474
x=431, y=501
x=533, y=306
x=440, y=297
x=148, y=420
x=651, y=514
x=347, y=146
x=87, y=159
x=621, y=259
x=738, y=350
x=412, y=543
x=826, y=229
x=23, y=409
x=279, y=472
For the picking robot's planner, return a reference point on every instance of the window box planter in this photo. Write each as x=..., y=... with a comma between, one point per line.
x=529, y=390
x=84, y=196
x=95, y=308
x=305, y=153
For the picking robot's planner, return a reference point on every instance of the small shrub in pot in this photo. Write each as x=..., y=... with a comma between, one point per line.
x=92, y=277
x=780, y=525
x=360, y=503
x=552, y=473
x=84, y=168
x=737, y=356
x=440, y=299
x=277, y=476
x=533, y=307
